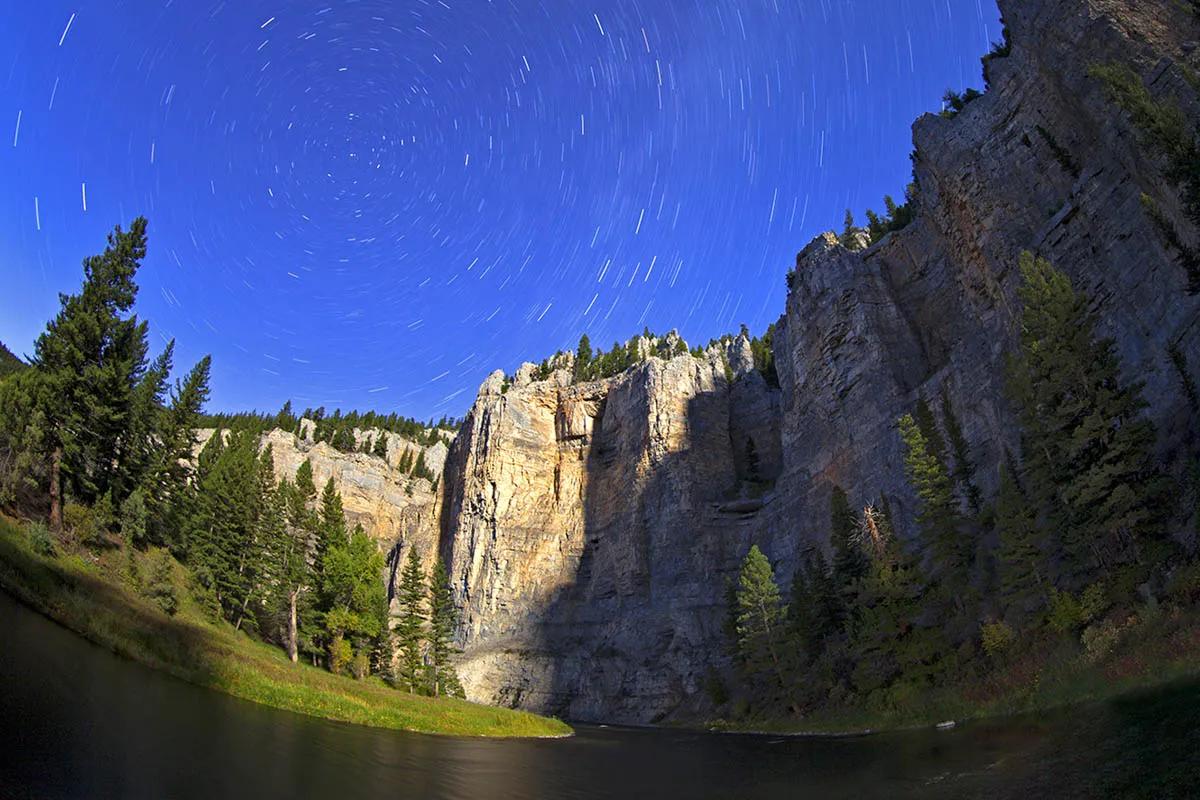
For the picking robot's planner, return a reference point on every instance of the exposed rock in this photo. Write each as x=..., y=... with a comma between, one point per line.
x=591, y=528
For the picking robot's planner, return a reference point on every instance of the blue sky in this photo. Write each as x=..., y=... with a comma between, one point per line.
x=374, y=204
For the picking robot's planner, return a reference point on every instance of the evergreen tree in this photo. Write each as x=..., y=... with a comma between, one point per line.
x=848, y=230
x=293, y=577
x=964, y=471
x=88, y=362
x=381, y=446
x=410, y=628
x=1018, y=556
x=333, y=521
x=760, y=617
x=170, y=472
x=304, y=481
x=927, y=424
x=443, y=624
x=815, y=610
x=941, y=525
x=583, y=359
x=849, y=561
x=1087, y=451
x=136, y=448
x=223, y=523
x=886, y=642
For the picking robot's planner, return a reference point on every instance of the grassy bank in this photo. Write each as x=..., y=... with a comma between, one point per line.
x=1151, y=650
x=93, y=594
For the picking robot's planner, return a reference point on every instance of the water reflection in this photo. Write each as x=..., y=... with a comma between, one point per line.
x=79, y=722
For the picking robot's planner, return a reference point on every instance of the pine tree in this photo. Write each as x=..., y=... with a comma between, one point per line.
x=815, y=610
x=1018, y=556
x=443, y=624
x=760, y=618
x=964, y=471
x=333, y=521
x=290, y=568
x=304, y=481
x=583, y=359
x=849, y=561
x=886, y=643
x=170, y=471
x=1086, y=448
x=941, y=525
x=849, y=229
x=223, y=523
x=410, y=628
x=927, y=424
x=88, y=362
x=381, y=446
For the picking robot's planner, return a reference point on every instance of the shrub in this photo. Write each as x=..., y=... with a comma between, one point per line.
x=41, y=541
x=360, y=665
x=160, y=585
x=134, y=517
x=203, y=587
x=78, y=522
x=997, y=638
x=1069, y=613
x=1098, y=640
x=1184, y=584
x=340, y=654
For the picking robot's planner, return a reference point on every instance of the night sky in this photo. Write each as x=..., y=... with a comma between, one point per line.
x=374, y=204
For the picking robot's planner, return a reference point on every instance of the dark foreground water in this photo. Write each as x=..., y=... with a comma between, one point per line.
x=76, y=721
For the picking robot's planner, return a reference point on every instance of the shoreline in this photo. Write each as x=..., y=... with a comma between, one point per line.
x=71, y=592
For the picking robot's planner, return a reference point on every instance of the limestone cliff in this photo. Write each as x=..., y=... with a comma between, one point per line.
x=590, y=527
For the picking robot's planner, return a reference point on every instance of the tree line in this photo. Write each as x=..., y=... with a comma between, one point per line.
x=96, y=439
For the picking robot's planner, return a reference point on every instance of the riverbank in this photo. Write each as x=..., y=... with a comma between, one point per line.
x=1150, y=651
x=78, y=591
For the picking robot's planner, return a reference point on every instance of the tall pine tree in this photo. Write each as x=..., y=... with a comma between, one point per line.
x=1086, y=448
x=443, y=624
x=410, y=627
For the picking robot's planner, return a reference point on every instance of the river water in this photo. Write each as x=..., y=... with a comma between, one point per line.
x=77, y=721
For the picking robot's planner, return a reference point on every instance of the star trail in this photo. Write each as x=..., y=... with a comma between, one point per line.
x=374, y=204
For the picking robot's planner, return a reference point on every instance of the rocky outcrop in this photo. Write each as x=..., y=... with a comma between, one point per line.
x=590, y=528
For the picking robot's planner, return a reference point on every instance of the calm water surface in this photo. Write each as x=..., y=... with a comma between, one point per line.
x=80, y=722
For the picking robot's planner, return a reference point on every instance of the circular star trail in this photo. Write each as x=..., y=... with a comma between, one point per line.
x=374, y=204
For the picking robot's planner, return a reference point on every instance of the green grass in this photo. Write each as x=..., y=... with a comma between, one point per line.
x=1042, y=673
x=91, y=594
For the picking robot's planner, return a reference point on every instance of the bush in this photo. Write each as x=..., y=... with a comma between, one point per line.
x=160, y=585
x=78, y=522
x=1098, y=640
x=1184, y=584
x=134, y=517
x=997, y=638
x=360, y=665
x=1069, y=613
x=41, y=541
x=340, y=654
x=204, y=591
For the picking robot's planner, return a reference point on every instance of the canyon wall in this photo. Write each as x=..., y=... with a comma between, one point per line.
x=591, y=528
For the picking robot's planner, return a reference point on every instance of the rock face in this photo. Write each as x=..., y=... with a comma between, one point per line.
x=590, y=528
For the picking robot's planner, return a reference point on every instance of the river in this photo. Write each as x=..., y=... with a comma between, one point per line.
x=79, y=722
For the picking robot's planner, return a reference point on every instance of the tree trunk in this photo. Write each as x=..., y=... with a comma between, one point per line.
x=56, y=489
x=292, y=650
